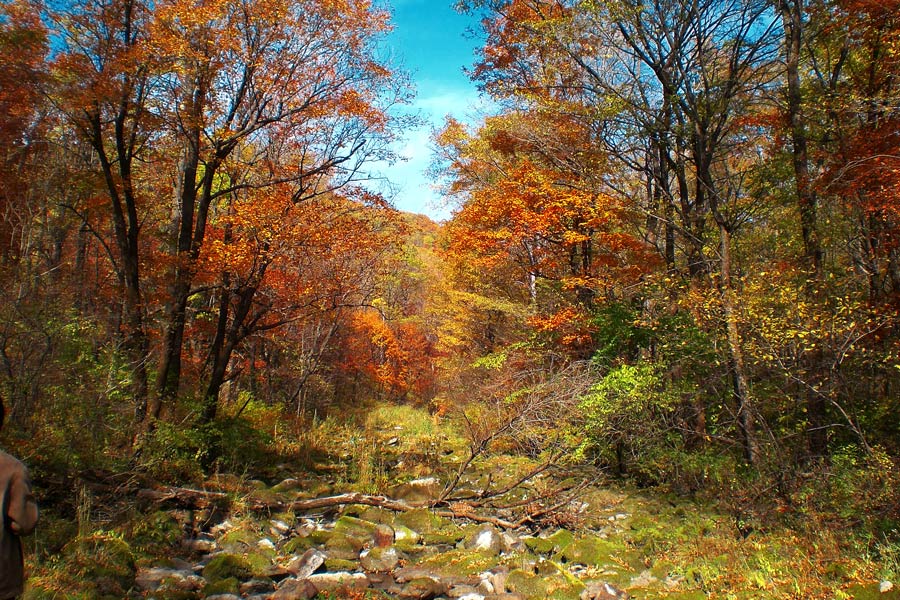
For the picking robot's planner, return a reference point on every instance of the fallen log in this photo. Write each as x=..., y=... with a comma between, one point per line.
x=192, y=498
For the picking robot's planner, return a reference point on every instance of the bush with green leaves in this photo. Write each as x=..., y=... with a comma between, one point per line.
x=627, y=420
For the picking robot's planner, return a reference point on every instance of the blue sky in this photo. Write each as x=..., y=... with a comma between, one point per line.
x=430, y=42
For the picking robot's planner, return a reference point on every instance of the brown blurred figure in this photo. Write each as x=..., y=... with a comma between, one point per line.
x=19, y=518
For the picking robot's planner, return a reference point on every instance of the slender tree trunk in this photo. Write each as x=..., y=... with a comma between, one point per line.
x=807, y=203
x=740, y=388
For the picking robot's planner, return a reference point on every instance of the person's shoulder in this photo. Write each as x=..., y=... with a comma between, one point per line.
x=9, y=462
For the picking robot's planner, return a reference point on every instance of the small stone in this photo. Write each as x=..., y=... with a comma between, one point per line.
x=306, y=564
x=379, y=559
x=407, y=574
x=404, y=533
x=223, y=597
x=150, y=579
x=511, y=543
x=279, y=527
x=485, y=539
x=257, y=586
x=645, y=579
x=327, y=582
x=393, y=441
x=885, y=586
x=223, y=527
x=463, y=591
x=295, y=589
x=485, y=586
x=498, y=579
x=383, y=536
x=266, y=544
x=422, y=588
x=602, y=591
x=200, y=545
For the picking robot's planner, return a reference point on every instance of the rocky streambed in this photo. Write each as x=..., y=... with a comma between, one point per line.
x=361, y=551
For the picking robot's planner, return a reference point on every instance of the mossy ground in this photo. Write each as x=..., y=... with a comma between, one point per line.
x=654, y=544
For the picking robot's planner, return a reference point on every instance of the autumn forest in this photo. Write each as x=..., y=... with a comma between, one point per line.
x=672, y=267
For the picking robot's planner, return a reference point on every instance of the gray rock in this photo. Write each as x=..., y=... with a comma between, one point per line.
x=645, y=579
x=265, y=544
x=306, y=564
x=326, y=582
x=295, y=589
x=257, y=586
x=223, y=597
x=602, y=591
x=511, y=543
x=343, y=547
x=485, y=539
x=464, y=592
x=150, y=579
x=379, y=559
x=417, y=490
x=407, y=574
x=422, y=588
x=279, y=528
x=201, y=545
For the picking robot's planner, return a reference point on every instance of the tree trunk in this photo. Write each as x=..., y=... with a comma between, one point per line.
x=807, y=204
x=740, y=388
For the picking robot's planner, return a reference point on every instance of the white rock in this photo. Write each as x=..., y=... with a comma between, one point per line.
x=266, y=543
x=280, y=527
x=885, y=586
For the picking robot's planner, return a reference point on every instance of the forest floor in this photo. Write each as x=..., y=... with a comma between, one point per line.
x=562, y=533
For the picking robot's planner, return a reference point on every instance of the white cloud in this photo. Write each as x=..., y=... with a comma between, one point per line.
x=413, y=190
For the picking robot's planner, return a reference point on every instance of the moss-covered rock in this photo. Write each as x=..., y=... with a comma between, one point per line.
x=103, y=561
x=379, y=559
x=402, y=533
x=589, y=551
x=343, y=546
x=538, y=544
x=341, y=564
x=354, y=527
x=527, y=584
x=423, y=521
x=229, y=585
x=561, y=539
x=297, y=545
x=458, y=563
x=320, y=536
x=260, y=560
x=225, y=566
x=239, y=539
x=377, y=515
